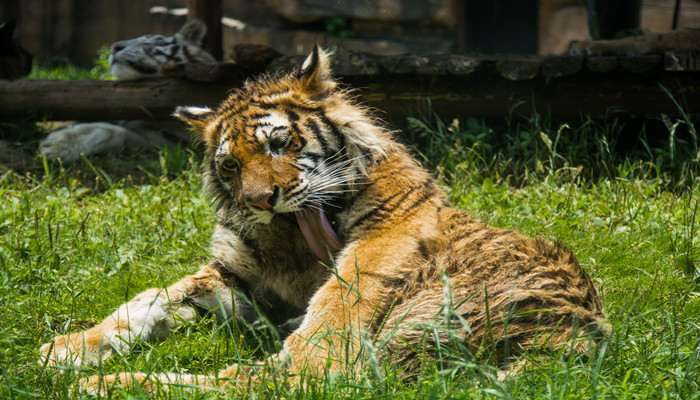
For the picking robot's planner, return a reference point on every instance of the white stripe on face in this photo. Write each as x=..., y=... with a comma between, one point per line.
x=224, y=147
x=270, y=122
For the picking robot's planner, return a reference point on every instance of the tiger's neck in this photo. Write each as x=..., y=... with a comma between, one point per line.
x=393, y=186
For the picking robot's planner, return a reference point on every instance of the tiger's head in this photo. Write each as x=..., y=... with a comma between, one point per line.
x=289, y=145
x=144, y=56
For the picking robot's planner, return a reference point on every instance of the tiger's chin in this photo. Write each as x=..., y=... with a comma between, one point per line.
x=125, y=72
x=263, y=217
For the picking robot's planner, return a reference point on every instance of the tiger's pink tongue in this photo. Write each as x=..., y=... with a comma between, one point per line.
x=318, y=232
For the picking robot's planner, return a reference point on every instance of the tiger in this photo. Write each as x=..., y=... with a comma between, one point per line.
x=139, y=58
x=328, y=225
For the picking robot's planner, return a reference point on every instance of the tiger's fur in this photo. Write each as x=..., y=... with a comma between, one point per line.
x=289, y=151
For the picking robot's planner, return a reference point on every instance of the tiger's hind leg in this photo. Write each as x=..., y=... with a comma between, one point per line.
x=451, y=324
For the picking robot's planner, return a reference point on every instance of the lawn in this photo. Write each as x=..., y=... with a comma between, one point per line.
x=76, y=241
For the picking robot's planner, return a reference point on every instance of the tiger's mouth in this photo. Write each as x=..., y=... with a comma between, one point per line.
x=319, y=233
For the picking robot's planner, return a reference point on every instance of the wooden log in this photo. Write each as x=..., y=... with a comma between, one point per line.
x=105, y=100
x=349, y=63
x=462, y=65
x=602, y=64
x=561, y=65
x=360, y=64
x=205, y=72
x=254, y=56
x=486, y=95
x=478, y=89
x=408, y=64
x=640, y=64
x=516, y=69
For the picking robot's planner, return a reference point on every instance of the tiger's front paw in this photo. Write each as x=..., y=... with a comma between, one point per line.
x=81, y=348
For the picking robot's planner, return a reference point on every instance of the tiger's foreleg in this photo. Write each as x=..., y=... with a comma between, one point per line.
x=345, y=310
x=150, y=316
x=330, y=336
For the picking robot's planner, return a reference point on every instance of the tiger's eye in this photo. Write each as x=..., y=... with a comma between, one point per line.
x=229, y=165
x=279, y=142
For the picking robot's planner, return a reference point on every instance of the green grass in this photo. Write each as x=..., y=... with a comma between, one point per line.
x=63, y=69
x=77, y=241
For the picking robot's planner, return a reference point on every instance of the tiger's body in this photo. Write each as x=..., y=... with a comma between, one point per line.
x=139, y=58
x=323, y=217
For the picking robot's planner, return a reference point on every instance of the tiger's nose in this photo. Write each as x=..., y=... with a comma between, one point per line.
x=267, y=201
x=115, y=48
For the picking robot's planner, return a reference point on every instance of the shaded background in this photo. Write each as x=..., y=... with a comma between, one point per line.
x=76, y=29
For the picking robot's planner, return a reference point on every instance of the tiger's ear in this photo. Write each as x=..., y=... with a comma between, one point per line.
x=196, y=117
x=192, y=32
x=315, y=72
x=199, y=119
